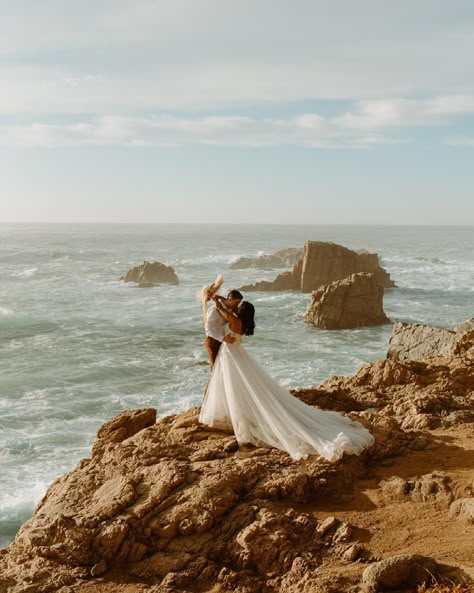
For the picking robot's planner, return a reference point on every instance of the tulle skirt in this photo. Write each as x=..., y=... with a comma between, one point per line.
x=242, y=396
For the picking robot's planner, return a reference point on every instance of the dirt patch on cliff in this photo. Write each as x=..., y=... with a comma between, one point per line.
x=397, y=521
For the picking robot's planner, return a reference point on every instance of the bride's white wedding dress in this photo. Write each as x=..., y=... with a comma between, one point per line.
x=241, y=396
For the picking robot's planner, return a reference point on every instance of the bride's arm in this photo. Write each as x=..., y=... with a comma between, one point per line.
x=234, y=322
x=228, y=315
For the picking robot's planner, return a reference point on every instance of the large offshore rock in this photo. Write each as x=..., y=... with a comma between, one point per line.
x=323, y=263
x=285, y=258
x=356, y=301
x=413, y=341
x=150, y=273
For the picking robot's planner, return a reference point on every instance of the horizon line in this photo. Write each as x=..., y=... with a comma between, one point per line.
x=170, y=223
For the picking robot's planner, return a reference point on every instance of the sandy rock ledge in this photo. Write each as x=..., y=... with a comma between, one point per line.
x=174, y=506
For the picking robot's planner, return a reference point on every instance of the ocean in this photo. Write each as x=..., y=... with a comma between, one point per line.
x=77, y=346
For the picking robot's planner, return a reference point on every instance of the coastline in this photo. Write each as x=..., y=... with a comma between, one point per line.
x=159, y=505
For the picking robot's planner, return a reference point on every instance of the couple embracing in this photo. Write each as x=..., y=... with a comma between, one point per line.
x=241, y=396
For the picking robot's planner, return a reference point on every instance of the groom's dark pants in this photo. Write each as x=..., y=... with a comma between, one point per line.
x=212, y=347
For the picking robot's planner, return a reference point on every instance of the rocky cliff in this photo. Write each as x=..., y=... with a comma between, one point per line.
x=170, y=506
x=412, y=341
x=323, y=263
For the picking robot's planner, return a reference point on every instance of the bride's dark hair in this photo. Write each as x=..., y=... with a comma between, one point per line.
x=246, y=315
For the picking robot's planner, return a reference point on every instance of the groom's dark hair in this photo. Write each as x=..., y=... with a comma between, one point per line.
x=235, y=294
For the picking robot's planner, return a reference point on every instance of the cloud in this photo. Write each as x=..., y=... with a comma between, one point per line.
x=369, y=124
x=309, y=130
x=185, y=56
x=461, y=141
x=391, y=113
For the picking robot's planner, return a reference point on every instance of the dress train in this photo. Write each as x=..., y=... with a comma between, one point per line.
x=243, y=397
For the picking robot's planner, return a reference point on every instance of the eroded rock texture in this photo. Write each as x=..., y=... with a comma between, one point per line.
x=176, y=506
x=356, y=301
x=151, y=273
x=323, y=263
x=411, y=394
x=412, y=341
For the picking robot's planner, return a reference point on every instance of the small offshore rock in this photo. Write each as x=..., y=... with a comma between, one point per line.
x=148, y=274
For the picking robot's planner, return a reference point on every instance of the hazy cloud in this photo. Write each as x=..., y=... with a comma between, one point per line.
x=117, y=56
x=461, y=141
x=369, y=124
x=404, y=112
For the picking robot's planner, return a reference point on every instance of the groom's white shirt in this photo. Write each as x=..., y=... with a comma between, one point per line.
x=215, y=325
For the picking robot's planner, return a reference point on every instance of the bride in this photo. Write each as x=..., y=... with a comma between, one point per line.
x=241, y=396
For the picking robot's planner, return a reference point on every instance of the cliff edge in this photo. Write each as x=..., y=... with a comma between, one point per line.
x=175, y=506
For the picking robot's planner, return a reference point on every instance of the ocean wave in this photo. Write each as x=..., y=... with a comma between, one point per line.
x=16, y=327
x=271, y=298
x=4, y=454
x=209, y=259
x=28, y=273
x=34, y=394
x=17, y=502
x=59, y=255
x=5, y=311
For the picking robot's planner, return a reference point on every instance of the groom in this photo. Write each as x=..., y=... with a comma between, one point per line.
x=215, y=325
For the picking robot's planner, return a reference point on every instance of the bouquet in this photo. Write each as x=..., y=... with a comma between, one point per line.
x=207, y=293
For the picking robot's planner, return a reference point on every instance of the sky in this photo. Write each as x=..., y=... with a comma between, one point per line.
x=237, y=111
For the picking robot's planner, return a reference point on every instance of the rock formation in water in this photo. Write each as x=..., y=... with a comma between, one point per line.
x=176, y=506
x=412, y=341
x=150, y=274
x=356, y=301
x=323, y=263
x=432, y=260
x=285, y=258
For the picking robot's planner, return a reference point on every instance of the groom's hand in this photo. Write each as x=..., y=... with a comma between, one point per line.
x=229, y=339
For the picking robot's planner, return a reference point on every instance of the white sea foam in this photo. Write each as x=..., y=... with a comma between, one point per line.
x=5, y=311
x=28, y=273
x=209, y=259
x=35, y=394
x=271, y=298
x=18, y=499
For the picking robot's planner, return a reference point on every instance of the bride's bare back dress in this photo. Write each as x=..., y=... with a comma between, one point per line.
x=242, y=396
